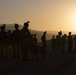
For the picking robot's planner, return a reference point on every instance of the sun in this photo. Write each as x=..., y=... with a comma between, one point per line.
x=73, y=22
x=73, y=17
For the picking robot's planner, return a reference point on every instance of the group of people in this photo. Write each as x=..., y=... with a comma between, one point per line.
x=63, y=42
x=18, y=43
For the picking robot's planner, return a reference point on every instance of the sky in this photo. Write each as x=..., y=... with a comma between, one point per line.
x=44, y=15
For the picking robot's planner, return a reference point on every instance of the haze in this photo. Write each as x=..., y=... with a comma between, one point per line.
x=51, y=15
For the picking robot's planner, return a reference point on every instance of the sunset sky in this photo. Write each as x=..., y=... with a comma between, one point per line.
x=51, y=15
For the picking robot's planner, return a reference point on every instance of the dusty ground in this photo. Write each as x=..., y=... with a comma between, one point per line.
x=55, y=64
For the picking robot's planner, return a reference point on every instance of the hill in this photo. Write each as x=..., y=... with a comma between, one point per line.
x=39, y=33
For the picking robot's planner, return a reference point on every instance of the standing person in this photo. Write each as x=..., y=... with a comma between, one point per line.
x=63, y=42
x=8, y=45
x=43, y=39
x=3, y=36
x=70, y=42
x=53, y=42
x=59, y=41
x=56, y=42
x=26, y=41
x=75, y=42
x=35, y=50
x=15, y=42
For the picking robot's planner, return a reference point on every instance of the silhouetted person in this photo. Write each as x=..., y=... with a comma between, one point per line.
x=43, y=39
x=59, y=40
x=26, y=41
x=63, y=42
x=70, y=42
x=9, y=44
x=75, y=42
x=35, y=39
x=53, y=42
x=35, y=50
x=56, y=41
x=15, y=42
x=3, y=36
